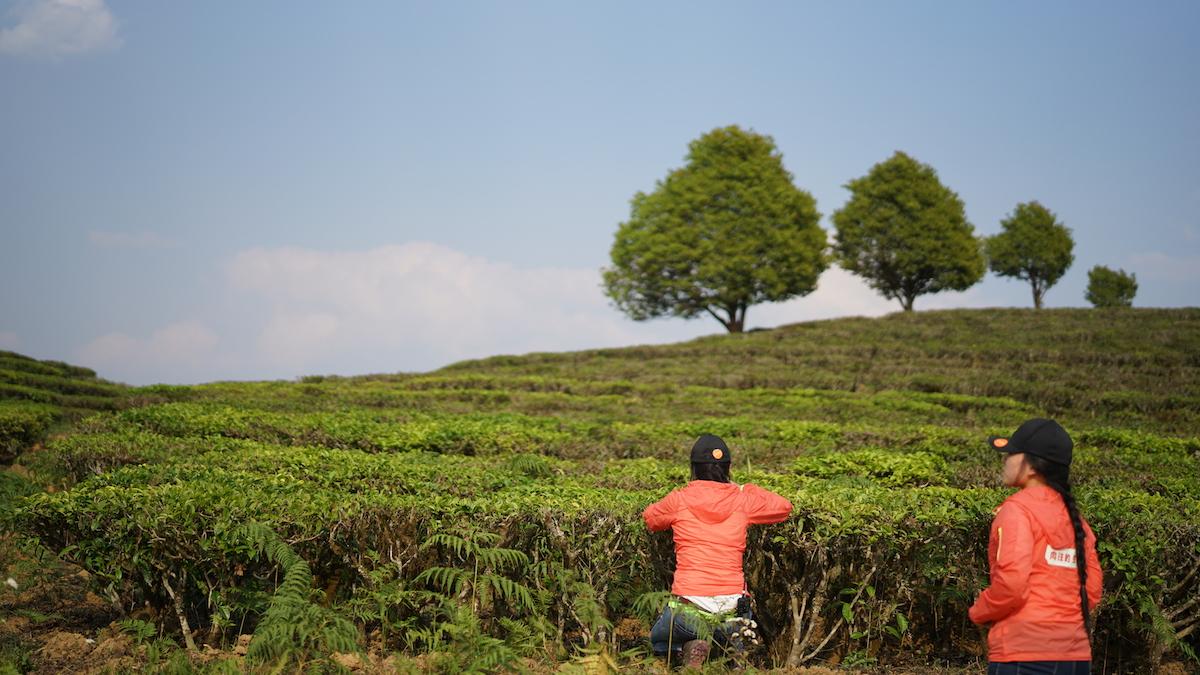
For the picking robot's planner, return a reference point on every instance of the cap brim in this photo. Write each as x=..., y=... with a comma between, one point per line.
x=1001, y=444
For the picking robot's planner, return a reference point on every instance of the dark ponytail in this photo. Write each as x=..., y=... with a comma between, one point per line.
x=1058, y=477
x=717, y=472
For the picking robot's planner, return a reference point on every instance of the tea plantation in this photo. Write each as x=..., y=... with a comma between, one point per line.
x=487, y=515
x=35, y=395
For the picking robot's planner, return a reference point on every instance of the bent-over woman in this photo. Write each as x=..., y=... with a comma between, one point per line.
x=709, y=517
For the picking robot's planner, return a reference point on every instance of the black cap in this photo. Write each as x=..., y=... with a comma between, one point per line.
x=1040, y=437
x=710, y=449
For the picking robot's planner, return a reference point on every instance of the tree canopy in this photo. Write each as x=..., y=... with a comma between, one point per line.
x=905, y=233
x=727, y=230
x=1110, y=288
x=1033, y=246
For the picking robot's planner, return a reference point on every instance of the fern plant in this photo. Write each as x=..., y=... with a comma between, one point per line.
x=474, y=594
x=141, y=631
x=481, y=577
x=461, y=645
x=394, y=602
x=294, y=627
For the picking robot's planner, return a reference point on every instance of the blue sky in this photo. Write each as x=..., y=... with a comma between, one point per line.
x=191, y=192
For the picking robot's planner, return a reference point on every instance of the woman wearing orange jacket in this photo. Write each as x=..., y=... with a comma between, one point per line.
x=1041, y=595
x=709, y=517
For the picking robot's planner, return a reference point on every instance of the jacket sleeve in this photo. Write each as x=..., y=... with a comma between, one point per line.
x=1010, y=557
x=661, y=514
x=1095, y=578
x=763, y=506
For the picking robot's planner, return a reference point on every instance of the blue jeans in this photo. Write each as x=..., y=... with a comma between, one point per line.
x=1039, y=668
x=674, y=628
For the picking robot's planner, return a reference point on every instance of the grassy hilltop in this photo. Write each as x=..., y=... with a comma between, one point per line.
x=487, y=514
x=1135, y=367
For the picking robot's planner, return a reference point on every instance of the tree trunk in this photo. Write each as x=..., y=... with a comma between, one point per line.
x=907, y=302
x=734, y=320
x=738, y=324
x=729, y=322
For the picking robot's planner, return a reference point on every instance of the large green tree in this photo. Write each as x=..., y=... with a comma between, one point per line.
x=1110, y=288
x=726, y=231
x=1033, y=246
x=905, y=233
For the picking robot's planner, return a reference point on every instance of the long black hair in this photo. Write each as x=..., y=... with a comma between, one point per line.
x=714, y=471
x=1058, y=477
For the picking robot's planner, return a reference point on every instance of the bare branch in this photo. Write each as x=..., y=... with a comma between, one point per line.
x=1186, y=579
x=183, y=622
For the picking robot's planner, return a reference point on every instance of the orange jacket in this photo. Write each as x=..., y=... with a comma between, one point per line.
x=1033, y=600
x=709, y=520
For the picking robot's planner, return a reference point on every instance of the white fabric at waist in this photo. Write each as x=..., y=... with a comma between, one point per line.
x=715, y=604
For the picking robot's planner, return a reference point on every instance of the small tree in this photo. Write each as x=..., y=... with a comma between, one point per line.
x=1033, y=246
x=1109, y=288
x=726, y=231
x=906, y=234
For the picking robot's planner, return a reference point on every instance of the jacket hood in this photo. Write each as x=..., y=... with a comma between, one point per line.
x=711, y=502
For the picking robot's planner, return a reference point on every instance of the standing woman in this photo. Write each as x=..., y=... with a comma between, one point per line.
x=1041, y=597
x=709, y=517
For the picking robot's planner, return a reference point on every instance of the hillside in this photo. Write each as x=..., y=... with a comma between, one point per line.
x=35, y=395
x=489, y=512
x=1133, y=366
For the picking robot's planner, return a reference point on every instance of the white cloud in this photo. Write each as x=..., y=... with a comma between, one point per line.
x=136, y=240
x=297, y=338
x=976, y=296
x=9, y=340
x=58, y=28
x=1161, y=266
x=840, y=293
x=422, y=305
x=185, y=349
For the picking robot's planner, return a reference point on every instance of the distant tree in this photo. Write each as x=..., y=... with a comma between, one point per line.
x=1033, y=246
x=1109, y=288
x=727, y=230
x=905, y=233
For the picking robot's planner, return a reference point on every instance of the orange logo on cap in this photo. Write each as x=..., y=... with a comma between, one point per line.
x=717, y=454
x=1000, y=442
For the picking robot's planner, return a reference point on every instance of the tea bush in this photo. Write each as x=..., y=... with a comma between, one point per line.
x=921, y=548
x=22, y=424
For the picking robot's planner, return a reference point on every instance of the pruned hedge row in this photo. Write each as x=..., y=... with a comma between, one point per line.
x=579, y=400
x=36, y=395
x=904, y=454
x=355, y=515
x=59, y=383
x=22, y=392
x=484, y=433
x=14, y=361
x=22, y=424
